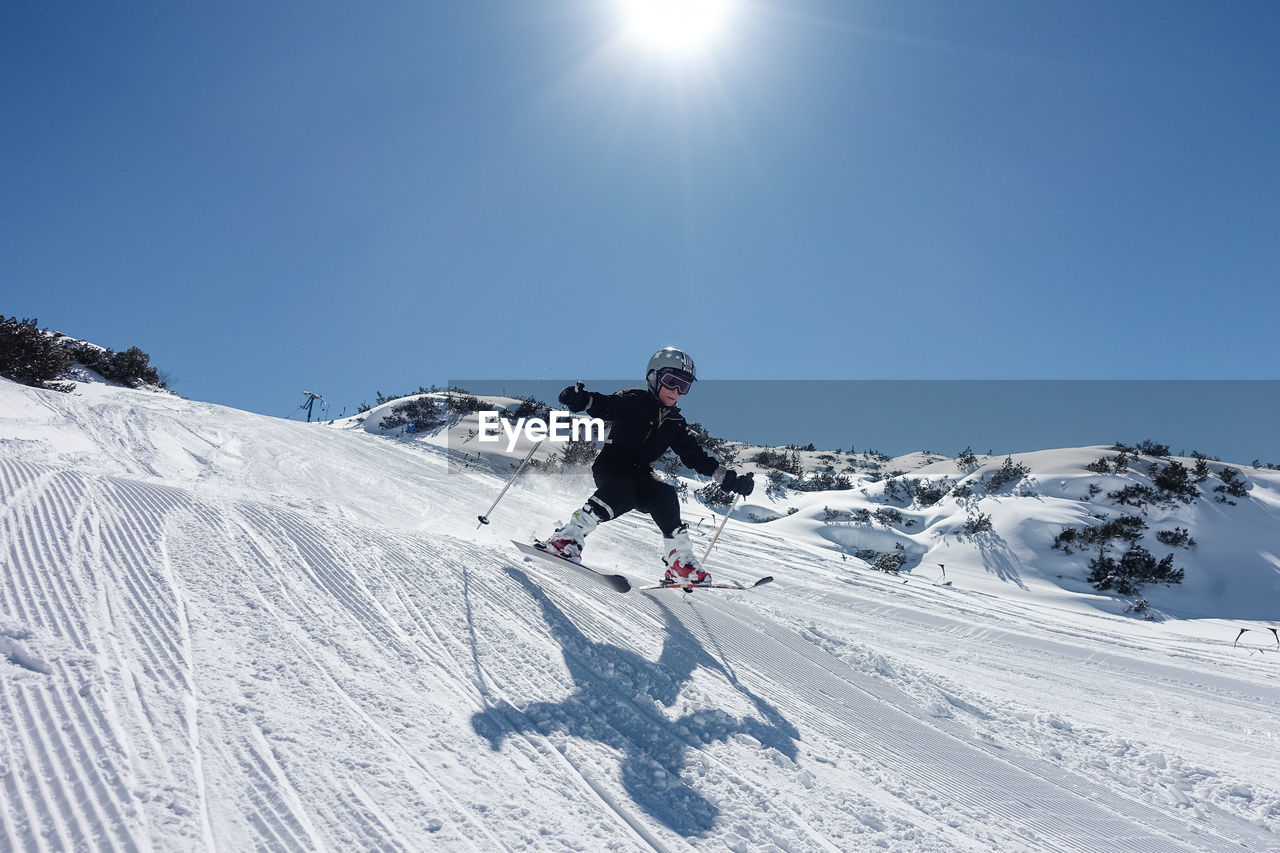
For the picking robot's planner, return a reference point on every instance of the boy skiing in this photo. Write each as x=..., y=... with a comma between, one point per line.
x=643, y=424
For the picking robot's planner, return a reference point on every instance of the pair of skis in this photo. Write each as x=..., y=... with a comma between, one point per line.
x=619, y=583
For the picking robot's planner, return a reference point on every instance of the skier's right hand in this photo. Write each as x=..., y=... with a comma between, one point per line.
x=743, y=484
x=575, y=398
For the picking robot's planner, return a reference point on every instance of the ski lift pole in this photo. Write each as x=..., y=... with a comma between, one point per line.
x=484, y=519
x=720, y=529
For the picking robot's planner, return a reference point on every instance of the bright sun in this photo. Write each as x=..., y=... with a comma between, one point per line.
x=676, y=26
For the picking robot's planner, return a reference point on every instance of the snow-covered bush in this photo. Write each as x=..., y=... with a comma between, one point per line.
x=927, y=493
x=1134, y=568
x=462, y=402
x=1127, y=528
x=39, y=357
x=776, y=484
x=714, y=496
x=897, y=491
x=1010, y=472
x=891, y=562
x=888, y=516
x=780, y=461
x=32, y=356
x=423, y=412
x=1100, y=466
x=575, y=452
x=1233, y=484
x=529, y=407
x=1173, y=482
x=1134, y=494
x=1178, y=537
x=977, y=523
x=1148, y=447
x=856, y=516
x=131, y=367
x=823, y=481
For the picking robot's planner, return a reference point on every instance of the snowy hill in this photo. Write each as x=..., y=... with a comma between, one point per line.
x=220, y=631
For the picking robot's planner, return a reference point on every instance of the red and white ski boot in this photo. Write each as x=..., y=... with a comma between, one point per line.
x=682, y=566
x=568, y=541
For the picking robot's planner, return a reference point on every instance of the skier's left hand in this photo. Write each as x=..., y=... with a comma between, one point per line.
x=742, y=484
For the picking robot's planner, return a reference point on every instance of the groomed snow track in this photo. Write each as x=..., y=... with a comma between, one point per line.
x=183, y=671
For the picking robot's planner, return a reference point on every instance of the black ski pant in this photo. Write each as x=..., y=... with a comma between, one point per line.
x=622, y=487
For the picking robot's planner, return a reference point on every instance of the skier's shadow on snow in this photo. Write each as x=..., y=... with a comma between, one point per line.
x=612, y=705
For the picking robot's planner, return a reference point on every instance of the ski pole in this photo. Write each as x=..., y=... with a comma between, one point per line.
x=720, y=529
x=484, y=519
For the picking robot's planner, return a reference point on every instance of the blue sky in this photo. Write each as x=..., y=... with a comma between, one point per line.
x=349, y=198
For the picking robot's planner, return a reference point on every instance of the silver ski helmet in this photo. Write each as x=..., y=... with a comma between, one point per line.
x=669, y=359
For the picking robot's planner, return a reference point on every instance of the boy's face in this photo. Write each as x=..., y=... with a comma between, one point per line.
x=668, y=396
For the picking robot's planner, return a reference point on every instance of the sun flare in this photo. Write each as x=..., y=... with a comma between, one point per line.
x=676, y=26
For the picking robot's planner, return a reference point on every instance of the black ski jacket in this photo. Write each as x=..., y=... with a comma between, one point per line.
x=641, y=429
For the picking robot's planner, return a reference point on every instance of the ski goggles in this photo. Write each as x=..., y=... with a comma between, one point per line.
x=676, y=380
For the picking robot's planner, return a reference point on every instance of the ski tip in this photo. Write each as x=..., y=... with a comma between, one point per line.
x=618, y=583
x=764, y=580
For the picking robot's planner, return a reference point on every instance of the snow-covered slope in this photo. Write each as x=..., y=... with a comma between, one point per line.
x=223, y=631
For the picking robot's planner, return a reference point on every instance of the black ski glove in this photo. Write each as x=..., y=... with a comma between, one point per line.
x=743, y=484
x=575, y=398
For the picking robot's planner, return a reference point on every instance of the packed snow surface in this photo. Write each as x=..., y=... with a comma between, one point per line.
x=220, y=631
